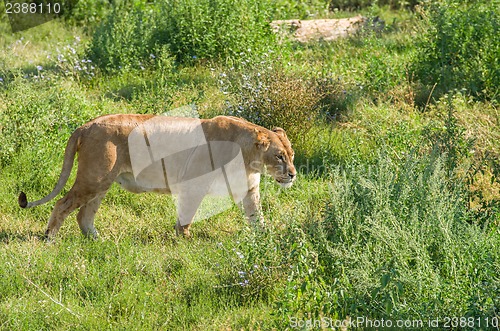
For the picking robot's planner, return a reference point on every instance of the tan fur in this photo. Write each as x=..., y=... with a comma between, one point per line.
x=103, y=158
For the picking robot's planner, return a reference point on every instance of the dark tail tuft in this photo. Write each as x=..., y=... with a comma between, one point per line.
x=23, y=200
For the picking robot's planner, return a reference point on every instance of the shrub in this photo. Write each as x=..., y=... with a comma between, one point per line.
x=123, y=40
x=395, y=243
x=190, y=29
x=268, y=93
x=460, y=48
x=213, y=29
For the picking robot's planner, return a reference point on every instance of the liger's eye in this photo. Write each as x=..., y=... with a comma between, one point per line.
x=280, y=157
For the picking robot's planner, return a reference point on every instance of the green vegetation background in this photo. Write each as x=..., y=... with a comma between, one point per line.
x=395, y=213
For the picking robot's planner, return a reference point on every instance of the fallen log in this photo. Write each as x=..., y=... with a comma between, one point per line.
x=320, y=30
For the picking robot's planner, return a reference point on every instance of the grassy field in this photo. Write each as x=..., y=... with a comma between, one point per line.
x=394, y=215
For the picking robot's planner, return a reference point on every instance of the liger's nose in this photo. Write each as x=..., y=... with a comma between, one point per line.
x=292, y=175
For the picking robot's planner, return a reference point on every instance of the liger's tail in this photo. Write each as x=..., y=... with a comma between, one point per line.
x=69, y=158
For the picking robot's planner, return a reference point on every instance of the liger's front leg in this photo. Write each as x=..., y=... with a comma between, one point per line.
x=252, y=207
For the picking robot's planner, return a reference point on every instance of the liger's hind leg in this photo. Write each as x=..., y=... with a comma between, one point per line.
x=86, y=216
x=63, y=208
x=92, y=180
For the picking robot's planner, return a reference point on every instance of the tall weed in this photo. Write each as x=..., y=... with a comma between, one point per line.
x=267, y=92
x=395, y=244
x=191, y=30
x=213, y=29
x=460, y=47
x=123, y=40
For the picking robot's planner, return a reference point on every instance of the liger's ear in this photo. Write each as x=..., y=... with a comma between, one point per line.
x=262, y=140
x=280, y=132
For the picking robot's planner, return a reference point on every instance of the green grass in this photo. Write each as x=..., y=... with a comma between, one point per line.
x=394, y=214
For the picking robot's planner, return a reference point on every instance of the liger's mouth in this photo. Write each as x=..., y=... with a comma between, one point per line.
x=286, y=183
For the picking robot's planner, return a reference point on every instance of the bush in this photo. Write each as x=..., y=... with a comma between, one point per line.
x=191, y=30
x=268, y=93
x=395, y=243
x=123, y=40
x=213, y=29
x=460, y=48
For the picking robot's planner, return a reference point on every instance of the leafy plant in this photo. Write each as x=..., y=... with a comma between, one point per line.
x=123, y=40
x=213, y=29
x=460, y=47
x=268, y=93
x=191, y=30
x=391, y=235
